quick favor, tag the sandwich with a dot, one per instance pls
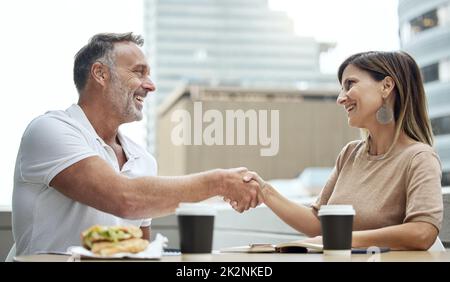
(109, 240)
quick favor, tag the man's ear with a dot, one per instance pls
(388, 86)
(100, 73)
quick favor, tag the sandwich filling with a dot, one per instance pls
(111, 234)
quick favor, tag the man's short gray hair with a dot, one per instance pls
(99, 48)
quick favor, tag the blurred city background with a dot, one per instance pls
(228, 54)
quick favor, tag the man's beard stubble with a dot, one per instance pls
(122, 101)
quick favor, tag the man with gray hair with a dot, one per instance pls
(75, 168)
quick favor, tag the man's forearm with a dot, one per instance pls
(159, 196)
(94, 183)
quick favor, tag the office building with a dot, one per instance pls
(226, 43)
(425, 34)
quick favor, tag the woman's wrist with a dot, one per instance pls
(268, 191)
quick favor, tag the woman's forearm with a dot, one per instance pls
(407, 236)
(297, 216)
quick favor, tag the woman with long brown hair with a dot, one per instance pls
(392, 175)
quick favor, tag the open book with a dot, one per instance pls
(288, 247)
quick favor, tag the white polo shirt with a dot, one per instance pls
(43, 218)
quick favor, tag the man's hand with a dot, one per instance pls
(241, 194)
(245, 177)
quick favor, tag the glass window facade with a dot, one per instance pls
(441, 125)
(430, 73)
(439, 71)
(445, 178)
(424, 22)
(437, 17)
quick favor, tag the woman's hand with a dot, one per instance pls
(248, 177)
(251, 175)
(297, 216)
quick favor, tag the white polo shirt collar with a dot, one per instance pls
(77, 113)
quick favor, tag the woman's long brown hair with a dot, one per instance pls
(410, 105)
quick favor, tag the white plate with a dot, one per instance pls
(153, 251)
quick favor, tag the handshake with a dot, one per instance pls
(242, 189)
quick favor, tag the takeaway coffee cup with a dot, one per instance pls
(196, 226)
(337, 227)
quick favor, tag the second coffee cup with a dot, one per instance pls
(337, 227)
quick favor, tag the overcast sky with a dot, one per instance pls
(355, 25)
(40, 38)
